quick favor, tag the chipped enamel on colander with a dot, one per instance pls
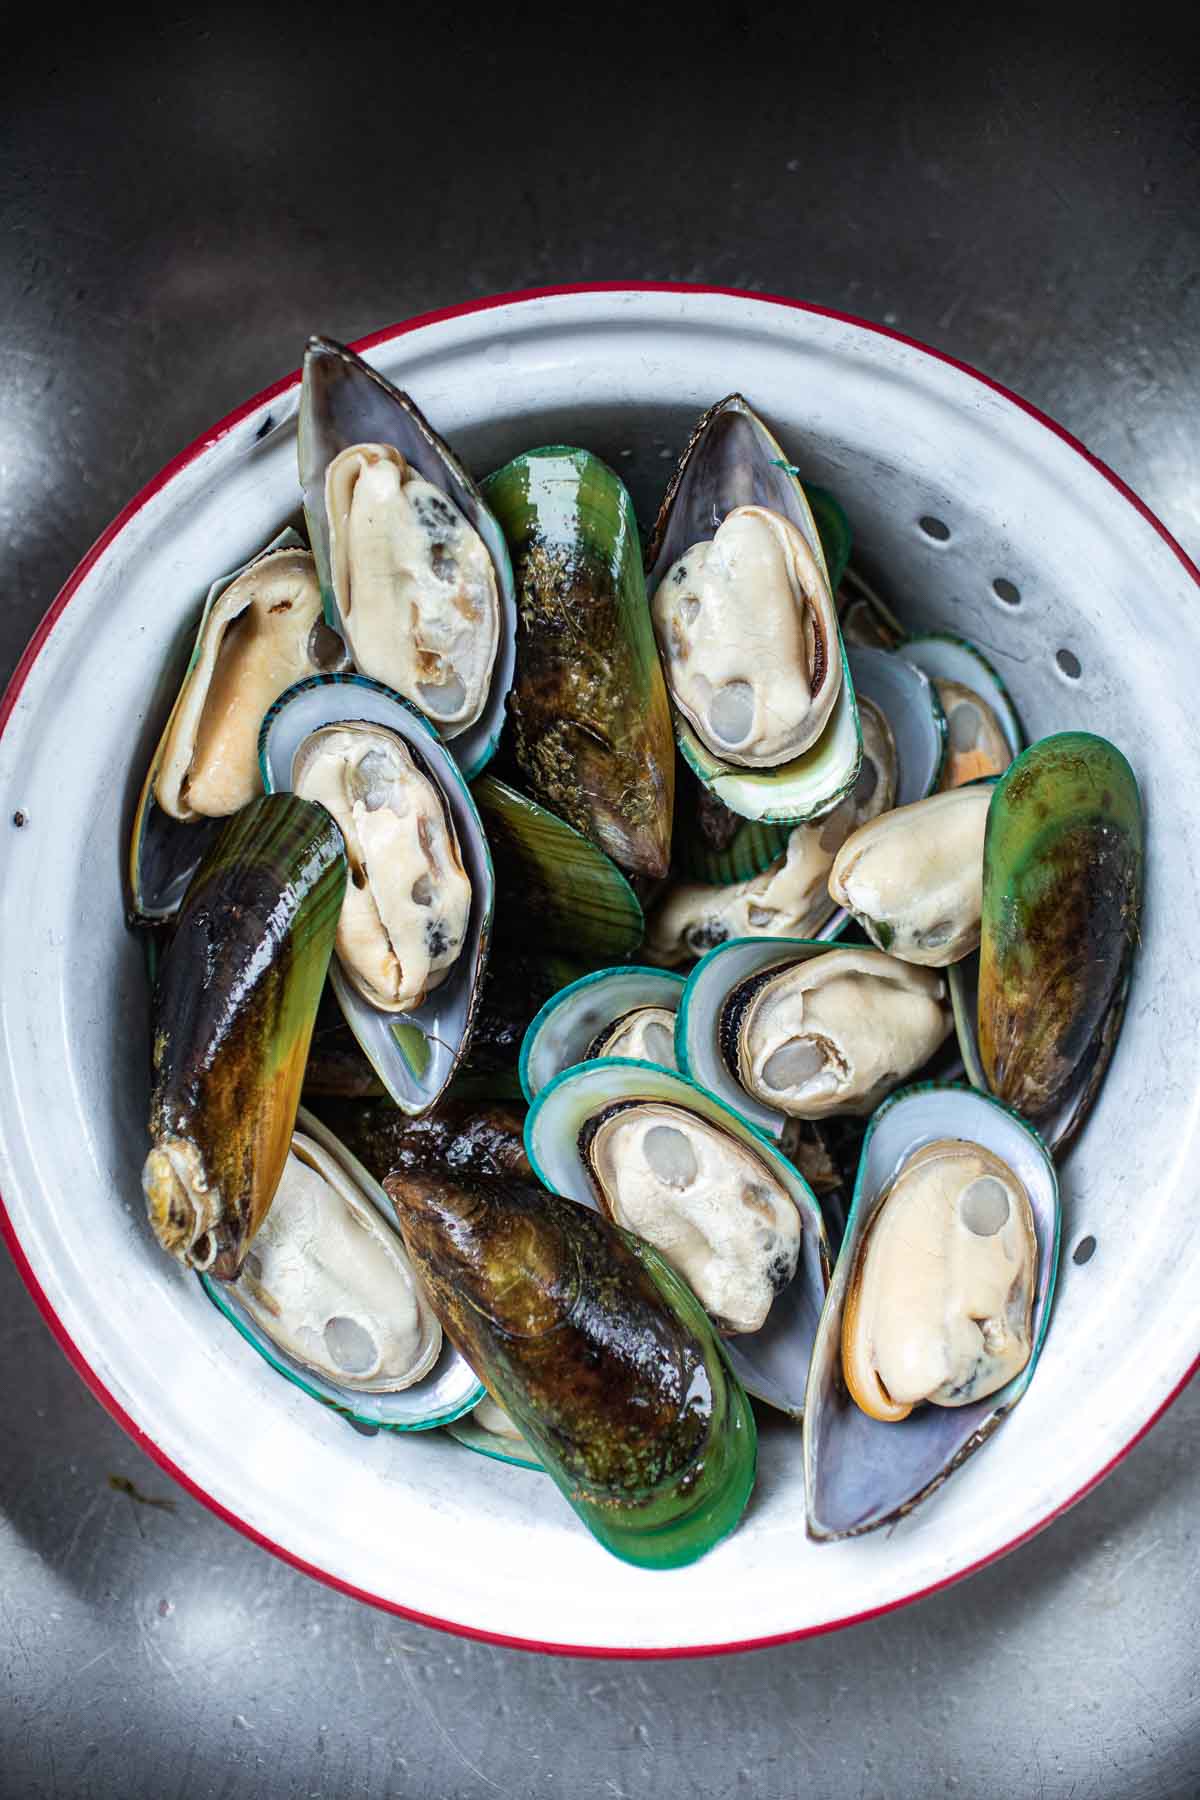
(952, 488)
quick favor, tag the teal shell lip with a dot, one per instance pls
(344, 401)
(732, 459)
(581, 1010)
(944, 657)
(771, 1363)
(415, 1054)
(861, 1473)
(451, 1388)
(697, 1022)
(473, 1436)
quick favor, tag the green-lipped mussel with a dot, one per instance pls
(261, 629)
(913, 878)
(1062, 893)
(466, 1137)
(956, 1328)
(415, 927)
(413, 567)
(628, 1012)
(735, 536)
(556, 890)
(598, 1352)
(590, 723)
(233, 1013)
(782, 1029)
(666, 1157)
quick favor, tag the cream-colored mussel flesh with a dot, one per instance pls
(836, 1033)
(414, 585)
(262, 634)
(913, 878)
(330, 1285)
(975, 742)
(790, 898)
(404, 919)
(747, 631)
(940, 1300)
(702, 1198)
(646, 1033)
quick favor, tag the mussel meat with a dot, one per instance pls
(913, 878)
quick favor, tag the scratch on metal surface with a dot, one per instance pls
(422, 1700)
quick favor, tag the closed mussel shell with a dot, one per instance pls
(1062, 895)
(597, 1352)
(229, 1050)
(590, 723)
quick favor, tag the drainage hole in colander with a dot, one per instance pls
(1070, 664)
(1006, 590)
(937, 529)
(1084, 1250)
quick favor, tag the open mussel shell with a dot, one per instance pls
(580, 1022)
(416, 1053)
(1062, 894)
(600, 1355)
(860, 1472)
(447, 1388)
(906, 698)
(554, 888)
(165, 850)
(489, 1431)
(343, 402)
(591, 728)
(771, 1362)
(732, 460)
(698, 1028)
(963, 674)
(232, 1018)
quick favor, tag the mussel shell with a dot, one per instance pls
(554, 887)
(415, 1054)
(1062, 895)
(566, 1027)
(772, 1362)
(860, 1473)
(449, 1390)
(907, 699)
(472, 1435)
(944, 657)
(602, 1357)
(344, 401)
(590, 720)
(713, 844)
(833, 529)
(703, 1027)
(233, 1013)
(468, 1137)
(164, 853)
(733, 460)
